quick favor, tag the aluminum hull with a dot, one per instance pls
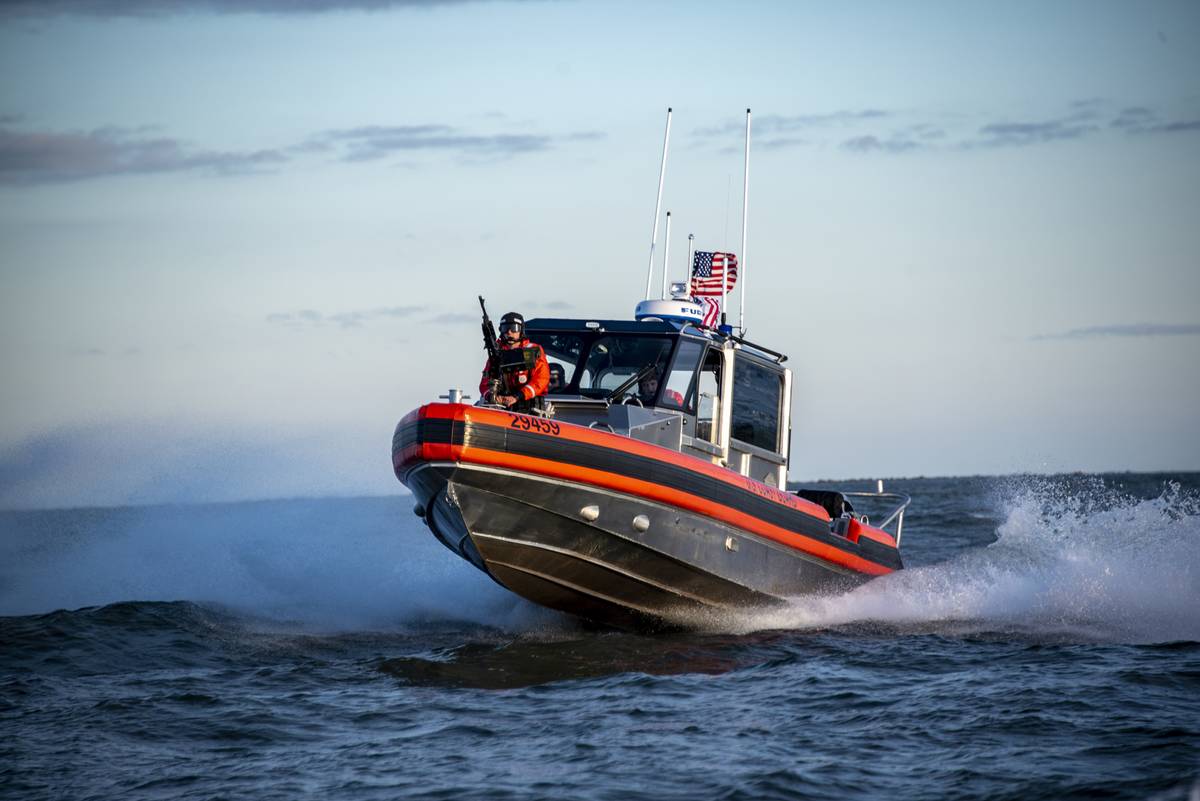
(609, 554)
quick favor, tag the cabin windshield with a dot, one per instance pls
(562, 354)
(613, 359)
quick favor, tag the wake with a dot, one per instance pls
(1086, 564)
(1082, 563)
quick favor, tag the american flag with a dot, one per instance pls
(709, 268)
(712, 311)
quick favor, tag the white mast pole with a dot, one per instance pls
(662, 174)
(666, 255)
(745, 215)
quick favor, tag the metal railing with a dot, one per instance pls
(894, 514)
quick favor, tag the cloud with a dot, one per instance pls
(872, 144)
(926, 132)
(1183, 126)
(1087, 118)
(1016, 134)
(302, 316)
(458, 318)
(1135, 330)
(38, 157)
(1133, 117)
(311, 318)
(93, 352)
(163, 8)
(373, 142)
(779, 143)
(894, 132)
(770, 124)
(1141, 120)
(528, 306)
(1089, 104)
(585, 136)
(33, 157)
(876, 130)
(454, 318)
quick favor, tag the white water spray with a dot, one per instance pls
(343, 564)
(1088, 566)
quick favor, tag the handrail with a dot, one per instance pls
(895, 515)
(779, 357)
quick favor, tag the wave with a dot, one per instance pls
(1073, 560)
(331, 564)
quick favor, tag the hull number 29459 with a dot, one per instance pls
(534, 424)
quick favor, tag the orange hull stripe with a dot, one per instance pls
(666, 495)
(563, 470)
(578, 433)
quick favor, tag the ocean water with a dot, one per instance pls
(1043, 643)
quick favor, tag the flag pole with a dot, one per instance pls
(666, 255)
(745, 215)
(691, 261)
(724, 285)
(662, 174)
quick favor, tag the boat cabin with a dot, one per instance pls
(673, 384)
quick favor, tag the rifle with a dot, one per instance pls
(495, 377)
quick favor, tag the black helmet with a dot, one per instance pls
(512, 320)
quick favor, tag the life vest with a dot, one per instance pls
(525, 383)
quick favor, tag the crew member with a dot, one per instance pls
(520, 386)
(648, 388)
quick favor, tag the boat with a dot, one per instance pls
(642, 509)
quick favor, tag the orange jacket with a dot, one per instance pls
(526, 383)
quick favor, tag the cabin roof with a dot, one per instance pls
(643, 327)
(614, 326)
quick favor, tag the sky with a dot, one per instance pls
(240, 240)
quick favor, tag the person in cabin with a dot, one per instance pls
(558, 378)
(523, 379)
(648, 389)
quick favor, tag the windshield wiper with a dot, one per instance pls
(629, 382)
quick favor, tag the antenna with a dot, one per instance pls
(666, 255)
(745, 215)
(662, 174)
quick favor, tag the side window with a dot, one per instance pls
(682, 379)
(708, 403)
(757, 392)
